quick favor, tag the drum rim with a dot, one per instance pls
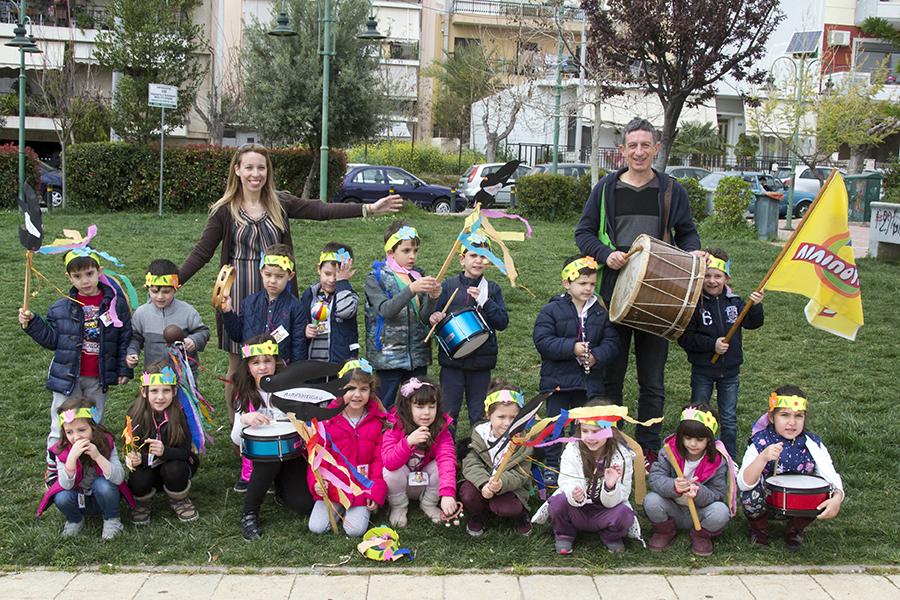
(644, 257)
(487, 335)
(451, 315)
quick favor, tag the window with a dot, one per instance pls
(400, 178)
(371, 176)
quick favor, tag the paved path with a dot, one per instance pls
(840, 583)
(859, 234)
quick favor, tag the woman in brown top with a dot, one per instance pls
(250, 217)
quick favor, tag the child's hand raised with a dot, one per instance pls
(611, 476)
(226, 303)
(25, 317)
(91, 450)
(419, 436)
(772, 452)
(474, 292)
(156, 447)
(757, 297)
(345, 270)
(424, 284)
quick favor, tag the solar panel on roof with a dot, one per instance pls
(804, 42)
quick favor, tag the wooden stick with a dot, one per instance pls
(329, 508)
(444, 268)
(634, 250)
(510, 450)
(784, 250)
(679, 472)
(28, 257)
(446, 306)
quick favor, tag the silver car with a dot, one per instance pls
(470, 182)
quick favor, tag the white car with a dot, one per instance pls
(807, 180)
(470, 182)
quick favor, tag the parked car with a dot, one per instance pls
(807, 180)
(680, 172)
(51, 186)
(470, 181)
(369, 183)
(763, 184)
(573, 170)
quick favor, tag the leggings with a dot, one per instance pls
(290, 479)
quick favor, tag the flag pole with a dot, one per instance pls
(781, 254)
(28, 258)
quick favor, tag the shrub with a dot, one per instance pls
(696, 197)
(9, 174)
(421, 158)
(548, 197)
(731, 199)
(891, 182)
(117, 176)
(714, 229)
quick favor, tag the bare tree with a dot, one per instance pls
(223, 99)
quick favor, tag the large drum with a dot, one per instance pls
(276, 442)
(658, 289)
(794, 495)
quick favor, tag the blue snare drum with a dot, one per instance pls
(463, 332)
(276, 442)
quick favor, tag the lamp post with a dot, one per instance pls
(326, 45)
(800, 66)
(24, 44)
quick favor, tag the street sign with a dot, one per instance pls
(163, 96)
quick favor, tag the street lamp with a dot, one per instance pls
(326, 51)
(800, 73)
(24, 44)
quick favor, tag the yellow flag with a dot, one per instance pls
(819, 264)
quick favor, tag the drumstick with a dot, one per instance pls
(510, 450)
(447, 262)
(680, 473)
(634, 250)
(446, 306)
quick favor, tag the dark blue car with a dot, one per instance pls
(51, 186)
(368, 183)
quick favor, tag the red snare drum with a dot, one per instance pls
(793, 495)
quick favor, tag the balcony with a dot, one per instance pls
(522, 10)
(889, 11)
(57, 13)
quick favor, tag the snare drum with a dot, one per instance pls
(463, 332)
(276, 442)
(794, 495)
(658, 289)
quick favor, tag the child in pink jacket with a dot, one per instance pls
(357, 434)
(418, 454)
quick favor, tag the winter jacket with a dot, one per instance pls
(343, 340)
(395, 452)
(63, 332)
(571, 475)
(360, 445)
(117, 475)
(220, 230)
(484, 358)
(181, 452)
(254, 320)
(395, 334)
(149, 322)
(711, 320)
(604, 194)
(712, 477)
(557, 329)
(478, 468)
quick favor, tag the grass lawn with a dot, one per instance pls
(854, 407)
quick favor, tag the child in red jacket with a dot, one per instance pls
(356, 433)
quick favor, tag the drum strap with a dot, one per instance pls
(667, 208)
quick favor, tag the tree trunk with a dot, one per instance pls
(670, 122)
(307, 186)
(857, 158)
(490, 150)
(595, 146)
(62, 167)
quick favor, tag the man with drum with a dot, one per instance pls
(633, 201)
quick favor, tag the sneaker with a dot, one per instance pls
(241, 486)
(475, 526)
(50, 476)
(250, 528)
(70, 529)
(279, 499)
(111, 528)
(615, 545)
(563, 547)
(650, 457)
(523, 525)
(272, 489)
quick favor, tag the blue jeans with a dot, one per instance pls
(391, 380)
(726, 404)
(474, 384)
(650, 355)
(104, 500)
(555, 403)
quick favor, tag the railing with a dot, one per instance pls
(514, 9)
(50, 13)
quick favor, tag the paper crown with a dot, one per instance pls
(795, 403)
(162, 280)
(165, 377)
(474, 239)
(79, 252)
(571, 271)
(406, 233)
(79, 413)
(718, 263)
(382, 544)
(279, 261)
(701, 416)
(361, 364)
(267, 348)
(505, 396)
(341, 256)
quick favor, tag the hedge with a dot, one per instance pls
(9, 174)
(119, 176)
(552, 197)
(421, 158)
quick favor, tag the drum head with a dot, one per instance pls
(797, 484)
(628, 282)
(470, 345)
(275, 429)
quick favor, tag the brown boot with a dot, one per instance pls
(759, 530)
(701, 541)
(793, 532)
(140, 512)
(663, 534)
(181, 504)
